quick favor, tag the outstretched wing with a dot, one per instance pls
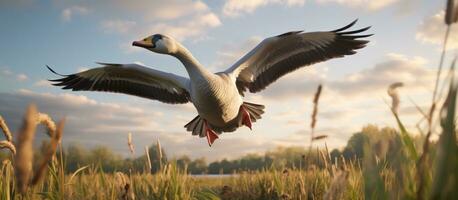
(279, 55)
(132, 79)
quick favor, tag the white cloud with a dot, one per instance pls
(169, 10)
(193, 28)
(11, 75)
(6, 72)
(365, 4)
(235, 8)
(233, 52)
(432, 30)
(42, 83)
(117, 26)
(146, 9)
(90, 122)
(412, 71)
(21, 77)
(183, 19)
(69, 12)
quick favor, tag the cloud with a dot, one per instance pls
(42, 83)
(6, 72)
(11, 75)
(146, 9)
(91, 123)
(117, 26)
(69, 12)
(183, 19)
(233, 8)
(185, 29)
(397, 68)
(232, 52)
(169, 10)
(21, 77)
(412, 71)
(365, 4)
(432, 30)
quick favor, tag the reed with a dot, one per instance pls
(159, 153)
(130, 144)
(148, 160)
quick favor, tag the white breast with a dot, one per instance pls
(216, 99)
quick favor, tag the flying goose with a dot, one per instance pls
(217, 96)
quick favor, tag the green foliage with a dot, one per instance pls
(446, 165)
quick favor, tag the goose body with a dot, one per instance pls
(217, 97)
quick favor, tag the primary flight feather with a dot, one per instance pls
(217, 97)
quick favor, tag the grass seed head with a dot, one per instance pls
(451, 12)
(24, 156)
(8, 145)
(49, 152)
(316, 98)
(130, 144)
(393, 93)
(6, 130)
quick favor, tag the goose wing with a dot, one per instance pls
(132, 79)
(282, 54)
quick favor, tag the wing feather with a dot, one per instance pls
(132, 79)
(285, 53)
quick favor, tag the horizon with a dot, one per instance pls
(70, 36)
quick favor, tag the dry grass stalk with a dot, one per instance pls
(325, 160)
(6, 130)
(148, 160)
(159, 153)
(338, 186)
(316, 98)
(130, 144)
(24, 156)
(124, 187)
(8, 143)
(48, 122)
(451, 12)
(392, 91)
(319, 137)
(49, 153)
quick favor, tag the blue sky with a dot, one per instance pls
(71, 35)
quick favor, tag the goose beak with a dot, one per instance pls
(141, 44)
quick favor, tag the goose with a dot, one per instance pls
(217, 97)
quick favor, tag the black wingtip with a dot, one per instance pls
(54, 72)
(355, 31)
(346, 27)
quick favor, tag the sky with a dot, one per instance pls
(71, 36)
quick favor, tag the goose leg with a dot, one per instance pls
(246, 119)
(211, 135)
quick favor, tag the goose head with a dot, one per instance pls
(158, 43)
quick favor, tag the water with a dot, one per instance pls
(213, 175)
